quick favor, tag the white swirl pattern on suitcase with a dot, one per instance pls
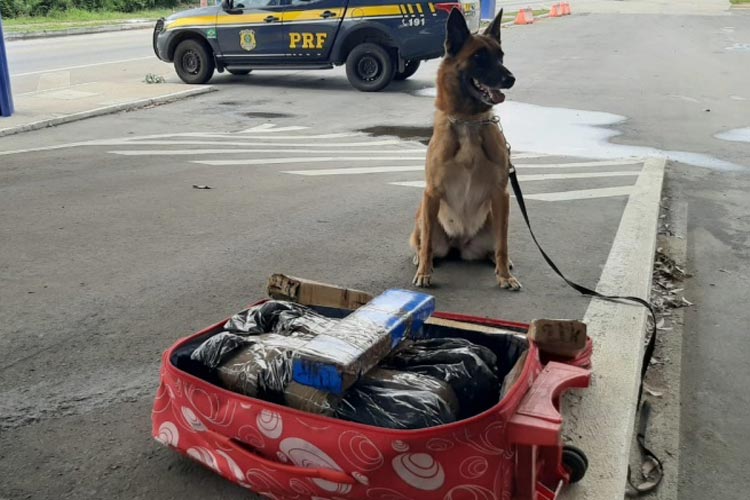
(262, 481)
(361, 478)
(439, 444)
(250, 435)
(399, 446)
(305, 454)
(419, 470)
(463, 493)
(203, 456)
(209, 406)
(301, 487)
(473, 467)
(192, 420)
(270, 424)
(168, 434)
(359, 451)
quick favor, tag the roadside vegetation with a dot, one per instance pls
(30, 16)
(79, 10)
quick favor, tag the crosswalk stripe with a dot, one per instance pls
(577, 175)
(247, 144)
(355, 170)
(267, 137)
(274, 161)
(582, 164)
(190, 152)
(581, 194)
(541, 177)
(418, 168)
(272, 128)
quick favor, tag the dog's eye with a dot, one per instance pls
(480, 57)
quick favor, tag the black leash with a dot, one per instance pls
(648, 485)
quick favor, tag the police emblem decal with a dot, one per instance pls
(247, 40)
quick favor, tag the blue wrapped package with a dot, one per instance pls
(335, 359)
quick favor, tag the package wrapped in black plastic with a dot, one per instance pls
(398, 400)
(258, 366)
(469, 369)
(278, 316)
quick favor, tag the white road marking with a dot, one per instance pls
(190, 152)
(265, 137)
(249, 144)
(418, 168)
(316, 159)
(579, 175)
(539, 177)
(618, 330)
(581, 194)
(355, 171)
(271, 128)
(583, 164)
(81, 66)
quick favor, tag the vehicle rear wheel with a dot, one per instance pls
(193, 62)
(410, 68)
(369, 67)
(239, 72)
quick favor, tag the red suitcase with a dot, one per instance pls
(512, 450)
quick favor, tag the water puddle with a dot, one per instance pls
(574, 132)
(735, 135)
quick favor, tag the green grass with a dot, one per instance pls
(78, 18)
(738, 2)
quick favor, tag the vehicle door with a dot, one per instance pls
(311, 26)
(251, 30)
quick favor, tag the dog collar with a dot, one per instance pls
(495, 120)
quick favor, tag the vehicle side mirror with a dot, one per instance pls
(227, 4)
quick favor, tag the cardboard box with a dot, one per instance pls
(336, 359)
(313, 293)
(564, 337)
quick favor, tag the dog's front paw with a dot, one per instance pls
(422, 280)
(509, 282)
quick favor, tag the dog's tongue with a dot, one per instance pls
(497, 96)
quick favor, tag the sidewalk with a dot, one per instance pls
(49, 98)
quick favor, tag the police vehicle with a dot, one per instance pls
(378, 40)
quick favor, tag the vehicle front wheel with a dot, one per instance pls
(239, 72)
(369, 67)
(410, 68)
(194, 62)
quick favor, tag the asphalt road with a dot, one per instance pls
(109, 256)
(64, 53)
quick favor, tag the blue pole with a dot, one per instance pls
(6, 98)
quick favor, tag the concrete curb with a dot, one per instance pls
(79, 31)
(600, 420)
(106, 110)
(663, 433)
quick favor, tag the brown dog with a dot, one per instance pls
(466, 202)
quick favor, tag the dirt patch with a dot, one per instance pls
(421, 134)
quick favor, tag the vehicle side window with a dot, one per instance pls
(255, 4)
(303, 3)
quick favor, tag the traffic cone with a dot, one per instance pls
(555, 10)
(565, 8)
(525, 16)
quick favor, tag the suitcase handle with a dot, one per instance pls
(537, 421)
(333, 476)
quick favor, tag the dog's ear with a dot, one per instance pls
(457, 33)
(493, 30)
